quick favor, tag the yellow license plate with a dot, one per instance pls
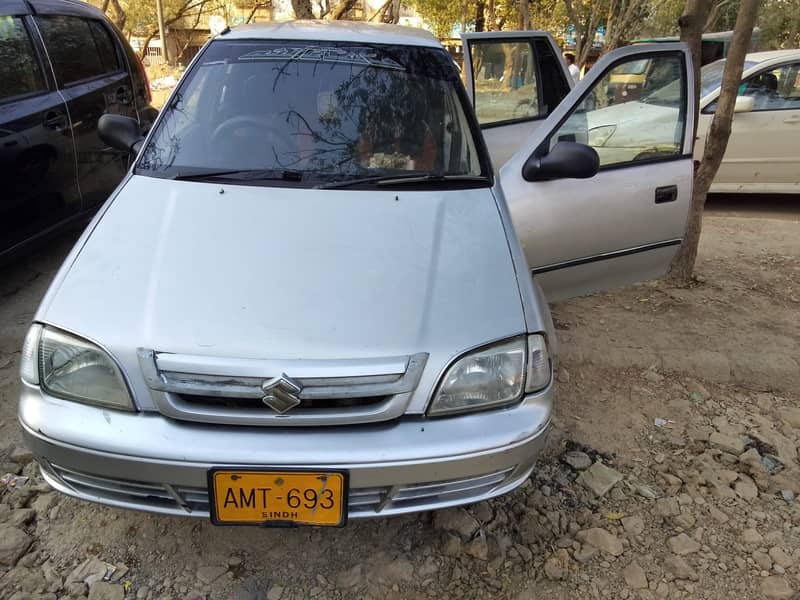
(279, 498)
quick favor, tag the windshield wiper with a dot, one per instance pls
(239, 175)
(410, 179)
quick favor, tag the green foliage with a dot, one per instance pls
(549, 15)
(779, 21)
(441, 15)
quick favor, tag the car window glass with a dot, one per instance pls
(71, 48)
(504, 77)
(328, 110)
(19, 70)
(626, 126)
(105, 47)
(776, 89)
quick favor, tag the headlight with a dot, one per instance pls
(598, 136)
(75, 369)
(493, 376)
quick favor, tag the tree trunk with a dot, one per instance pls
(480, 18)
(302, 9)
(491, 16)
(162, 32)
(683, 264)
(524, 15)
(341, 9)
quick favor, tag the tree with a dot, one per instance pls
(585, 17)
(692, 23)
(623, 17)
(440, 15)
(780, 23)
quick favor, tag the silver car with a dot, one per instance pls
(314, 298)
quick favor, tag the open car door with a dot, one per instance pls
(599, 193)
(514, 79)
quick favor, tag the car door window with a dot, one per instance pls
(105, 46)
(19, 67)
(626, 128)
(73, 49)
(776, 89)
(505, 81)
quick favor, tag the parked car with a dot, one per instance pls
(314, 298)
(62, 66)
(763, 153)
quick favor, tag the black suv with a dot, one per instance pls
(62, 66)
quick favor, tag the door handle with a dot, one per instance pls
(668, 193)
(54, 119)
(792, 120)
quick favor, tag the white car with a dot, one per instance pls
(763, 153)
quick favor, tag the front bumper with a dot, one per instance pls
(148, 462)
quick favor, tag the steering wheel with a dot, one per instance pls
(262, 127)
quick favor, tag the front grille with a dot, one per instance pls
(309, 404)
(328, 392)
(155, 495)
(362, 502)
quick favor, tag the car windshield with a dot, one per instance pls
(307, 113)
(710, 80)
(711, 75)
(634, 67)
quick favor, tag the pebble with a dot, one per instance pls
(751, 537)
(602, 540)
(101, 590)
(580, 461)
(776, 587)
(13, 544)
(763, 560)
(682, 545)
(668, 507)
(679, 568)
(599, 478)
(727, 443)
(557, 566)
(635, 576)
(780, 557)
(745, 488)
(456, 519)
(646, 492)
(633, 525)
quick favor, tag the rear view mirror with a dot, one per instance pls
(744, 104)
(120, 132)
(567, 160)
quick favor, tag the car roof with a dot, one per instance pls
(50, 7)
(334, 31)
(760, 57)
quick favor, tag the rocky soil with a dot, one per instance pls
(661, 479)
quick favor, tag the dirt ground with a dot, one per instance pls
(671, 471)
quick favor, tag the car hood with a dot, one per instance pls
(634, 121)
(255, 272)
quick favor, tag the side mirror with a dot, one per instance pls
(120, 132)
(744, 104)
(567, 160)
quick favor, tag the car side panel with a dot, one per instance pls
(37, 161)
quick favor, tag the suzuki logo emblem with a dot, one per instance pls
(281, 393)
